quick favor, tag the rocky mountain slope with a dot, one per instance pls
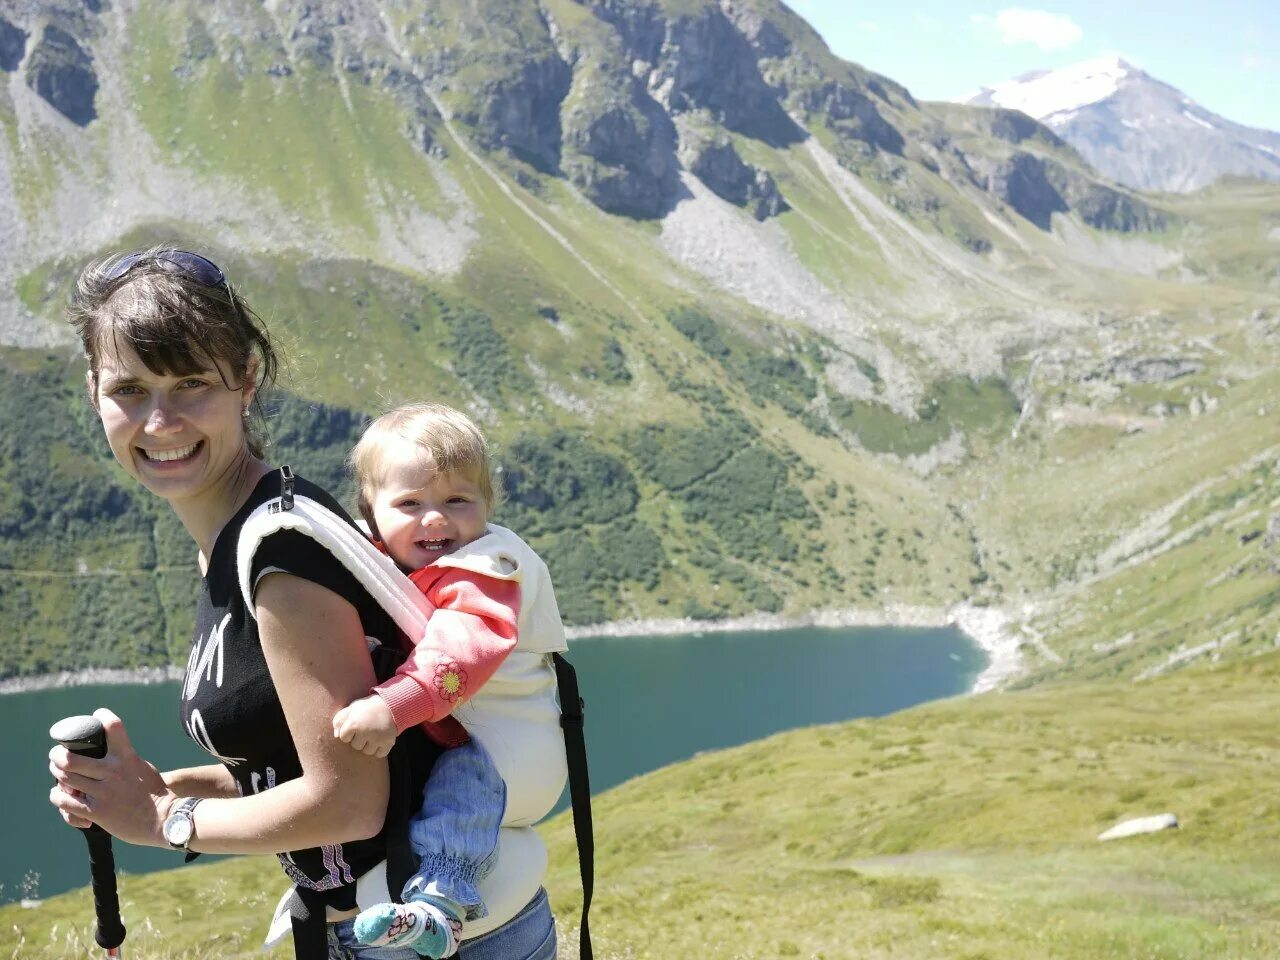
(752, 327)
(1135, 129)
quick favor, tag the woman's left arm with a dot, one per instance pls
(315, 649)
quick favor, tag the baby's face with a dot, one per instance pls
(423, 514)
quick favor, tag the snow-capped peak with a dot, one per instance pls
(1044, 93)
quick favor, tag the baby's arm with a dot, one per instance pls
(470, 633)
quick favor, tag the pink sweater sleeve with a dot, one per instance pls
(468, 636)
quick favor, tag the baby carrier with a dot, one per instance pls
(533, 740)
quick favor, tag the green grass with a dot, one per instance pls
(982, 409)
(327, 149)
(965, 828)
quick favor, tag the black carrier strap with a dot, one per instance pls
(575, 748)
(409, 764)
(310, 931)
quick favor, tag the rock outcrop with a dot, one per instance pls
(717, 164)
(61, 72)
(1038, 187)
(521, 112)
(621, 155)
(495, 68)
(1021, 181)
(13, 44)
(705, 63)
(1107, 209)
(853, 114)
(619, 144)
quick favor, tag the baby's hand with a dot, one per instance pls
(367, 725)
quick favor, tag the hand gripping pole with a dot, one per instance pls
(84, 735)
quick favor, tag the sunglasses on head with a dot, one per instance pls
(201, 269)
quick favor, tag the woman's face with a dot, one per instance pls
(179, 436)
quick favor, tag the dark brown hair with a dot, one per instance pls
(175, 323)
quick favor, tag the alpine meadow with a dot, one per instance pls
(755, 332)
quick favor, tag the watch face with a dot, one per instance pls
(177, 830)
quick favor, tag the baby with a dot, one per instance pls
(426, 492)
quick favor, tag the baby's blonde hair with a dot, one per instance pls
(451, 438)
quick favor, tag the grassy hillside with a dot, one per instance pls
(751, 327)
(965, 828)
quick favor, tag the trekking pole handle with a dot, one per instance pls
(84, 735)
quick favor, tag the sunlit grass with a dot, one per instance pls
(965, 828)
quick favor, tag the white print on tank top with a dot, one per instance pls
(203, 654)
(197, 731)
(205, 663)
(337, 870)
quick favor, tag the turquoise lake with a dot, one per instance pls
(651, 701)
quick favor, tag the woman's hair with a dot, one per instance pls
(175, 321)
(451, 438)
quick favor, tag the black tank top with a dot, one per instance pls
(229, 703)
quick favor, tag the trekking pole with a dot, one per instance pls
(84, 735)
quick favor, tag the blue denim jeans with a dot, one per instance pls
(529, 935)
(455, 834)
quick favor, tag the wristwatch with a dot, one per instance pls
(179, 827)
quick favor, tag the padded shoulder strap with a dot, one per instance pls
(377, 573)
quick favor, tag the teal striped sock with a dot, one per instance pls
(421, 926)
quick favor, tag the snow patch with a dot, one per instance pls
(1194, 119)
(1058, 91)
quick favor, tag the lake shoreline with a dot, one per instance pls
(987, 627)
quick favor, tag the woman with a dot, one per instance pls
(177, 364)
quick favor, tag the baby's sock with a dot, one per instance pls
(422, 926)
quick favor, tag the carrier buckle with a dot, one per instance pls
(286, 491)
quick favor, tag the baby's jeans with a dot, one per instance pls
(455, 834)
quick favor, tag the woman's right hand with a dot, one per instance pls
(121, 792)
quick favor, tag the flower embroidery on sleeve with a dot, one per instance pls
(450, 680)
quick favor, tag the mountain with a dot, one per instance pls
(753, 329)
(1135, 129)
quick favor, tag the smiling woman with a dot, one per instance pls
(176, 434)
(177, 364)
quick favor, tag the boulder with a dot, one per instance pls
(13, 44)
(61, 72)
(718, 165)
(1140, 825)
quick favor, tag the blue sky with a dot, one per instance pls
(1225, 55)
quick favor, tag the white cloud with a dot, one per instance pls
(1048, 31)
(867, 26)
(928, 23)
